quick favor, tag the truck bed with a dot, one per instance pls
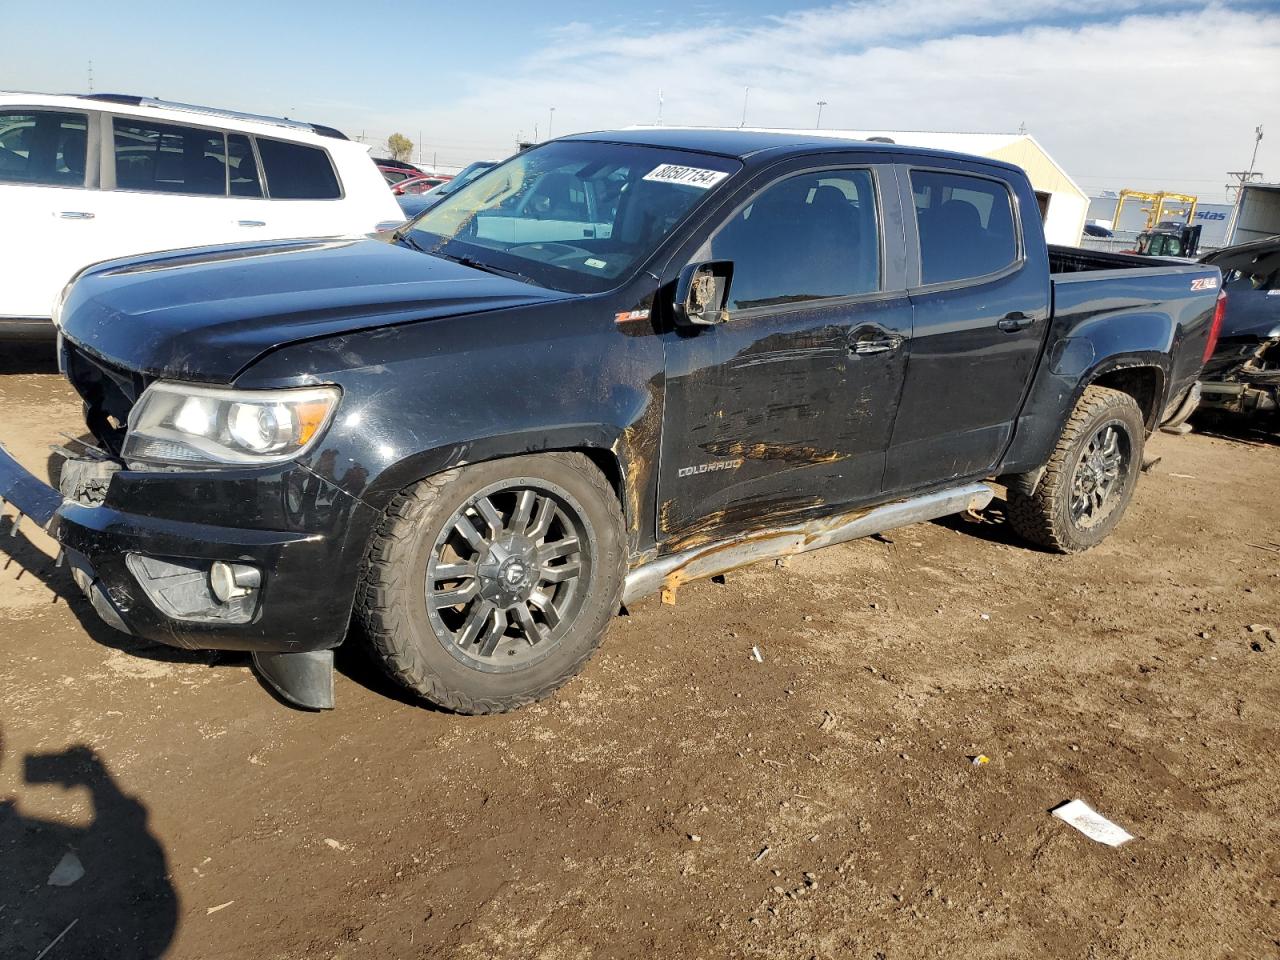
(1064, 260)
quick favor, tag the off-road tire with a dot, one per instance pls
(390, 599)
(1042, 514)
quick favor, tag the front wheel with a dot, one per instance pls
(1089, 479)
(489, 586)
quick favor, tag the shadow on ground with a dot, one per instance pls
(1255, 429)
(29, 357)
(99, 890)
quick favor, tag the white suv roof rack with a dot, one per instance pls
(135, 101)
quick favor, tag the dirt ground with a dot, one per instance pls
(681, 799)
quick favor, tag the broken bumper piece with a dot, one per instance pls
(285, 596)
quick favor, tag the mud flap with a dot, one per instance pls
(304, 679)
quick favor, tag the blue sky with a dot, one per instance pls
(466, 80)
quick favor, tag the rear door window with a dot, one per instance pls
(242, 174)
(297, 172)
(43, 146)
(167, 158)
(966, 226)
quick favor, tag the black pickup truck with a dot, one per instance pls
(610, 365)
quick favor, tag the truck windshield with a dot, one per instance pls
(573, 215)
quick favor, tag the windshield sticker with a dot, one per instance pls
(593, 262)
(686, 176)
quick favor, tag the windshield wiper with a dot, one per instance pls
(402, 236)
(475, 264)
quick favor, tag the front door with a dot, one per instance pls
(785, 410)
(981, 313)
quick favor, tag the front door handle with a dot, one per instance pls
(873, 339)
(252, 223)
(1015, 321)
(876, 345)
(76, 215)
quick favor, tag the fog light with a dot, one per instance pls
(229, 581)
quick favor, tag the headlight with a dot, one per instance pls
(178, 424)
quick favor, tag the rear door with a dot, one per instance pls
(167, 186)
(48, 204)
(785, 410)
(982, 300)
(305, 195)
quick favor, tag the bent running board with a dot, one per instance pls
(667, 573)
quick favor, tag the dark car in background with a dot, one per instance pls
(393, 171)
(1243, 375)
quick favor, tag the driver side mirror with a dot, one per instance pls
(702, 293)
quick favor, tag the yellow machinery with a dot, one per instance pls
(1160, 206)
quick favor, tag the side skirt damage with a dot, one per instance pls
(666, 574)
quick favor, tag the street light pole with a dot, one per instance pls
(821, 104)
(551, 117)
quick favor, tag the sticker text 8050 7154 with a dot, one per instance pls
(686, 176)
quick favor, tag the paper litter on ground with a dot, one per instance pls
(1091, 823)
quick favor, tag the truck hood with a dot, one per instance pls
(207, 313)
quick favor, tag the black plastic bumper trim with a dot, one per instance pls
(29, 495)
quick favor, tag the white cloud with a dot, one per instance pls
(1123, 93)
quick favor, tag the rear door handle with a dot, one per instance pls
(252, 223)
(76, 215)
(1013, 322)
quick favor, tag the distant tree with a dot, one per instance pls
(399, 146)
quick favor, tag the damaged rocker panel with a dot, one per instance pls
(667, 573)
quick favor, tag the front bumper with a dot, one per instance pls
(304, 535)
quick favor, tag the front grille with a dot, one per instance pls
(109, 393)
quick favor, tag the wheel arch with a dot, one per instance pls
(1139, 377)
(598, 444)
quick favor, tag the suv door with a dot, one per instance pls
(47, 179)
(981, 304)
(785, 410)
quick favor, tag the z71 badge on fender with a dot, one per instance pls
(1204, 283)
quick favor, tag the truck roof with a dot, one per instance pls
(743, 144)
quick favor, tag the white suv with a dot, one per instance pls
(89, 178)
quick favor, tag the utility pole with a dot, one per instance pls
(659, 108)
(821, 104)
(746, 92)
(91, 76)
(551, 118)
(1247, 176)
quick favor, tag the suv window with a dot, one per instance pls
(166, 158)
(808, 237)
(965, 223)
(43, 146)
(243, 175)
(297, 172)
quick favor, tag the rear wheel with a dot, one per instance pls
(1089, 480)
(489, 586)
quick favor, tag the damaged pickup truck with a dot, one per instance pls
(477, 437)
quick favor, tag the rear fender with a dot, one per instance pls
(1131, 352)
